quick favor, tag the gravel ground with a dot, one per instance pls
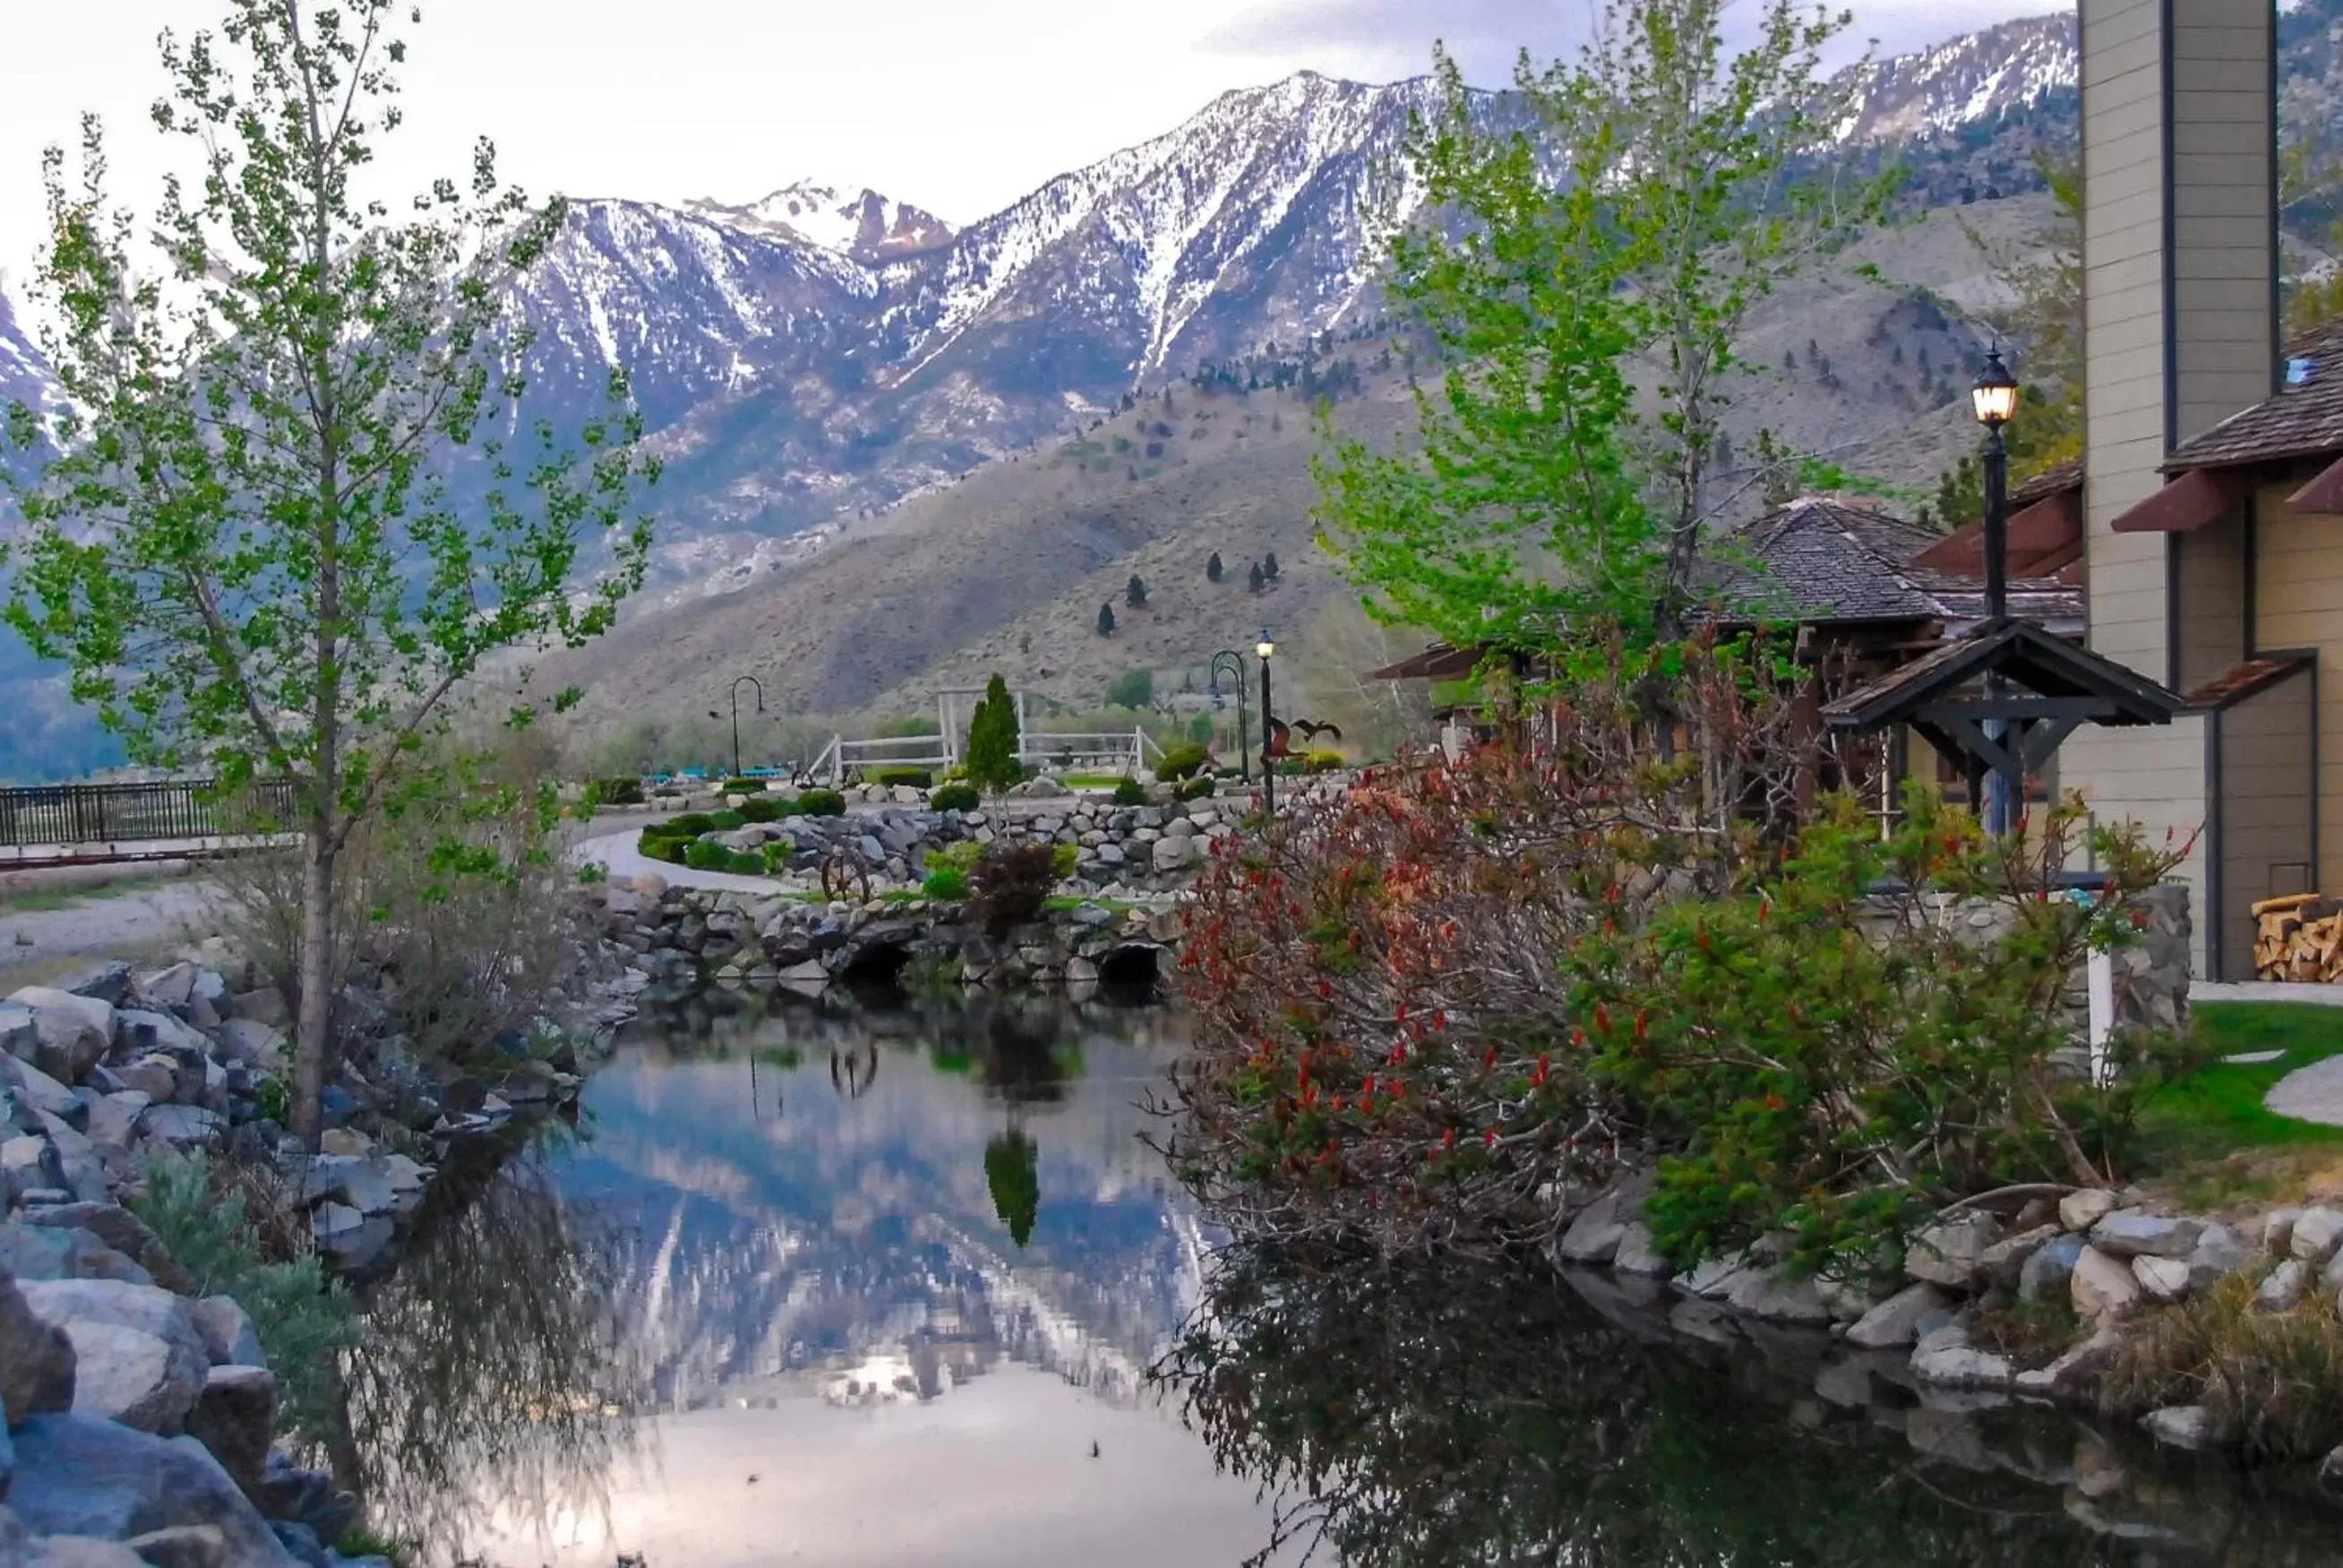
(108, 920)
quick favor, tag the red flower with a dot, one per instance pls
(1489, 1139)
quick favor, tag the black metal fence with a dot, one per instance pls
(135, 813)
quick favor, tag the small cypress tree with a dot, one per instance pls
(1134, 593)
(1269, 566)
(1106, 620)
(1213, 570)
(1253, 578)
(992, 739)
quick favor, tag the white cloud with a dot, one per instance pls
(960, 105)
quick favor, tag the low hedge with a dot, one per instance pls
(946, 885)
(955, 798)
(726, 821)
(766, 808)
(1129, 792)
(822, 803)
(904, 778)
(691, 825)
(618, 791)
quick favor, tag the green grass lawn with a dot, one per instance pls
(34, 900)
(2209, 1132)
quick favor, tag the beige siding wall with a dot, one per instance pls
(2268, 799)
(2209, 582)
(2298, 604)
(2175, 343)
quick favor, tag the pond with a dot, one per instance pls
(871, 1282)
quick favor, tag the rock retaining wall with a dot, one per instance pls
(682, 934)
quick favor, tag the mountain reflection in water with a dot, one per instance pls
(864, 1283)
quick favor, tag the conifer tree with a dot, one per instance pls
(1134, 592)
(1255, 579)
(1269, 566)
(1213, 570)
(1106, 620)
(992, 739)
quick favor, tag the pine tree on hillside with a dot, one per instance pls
(1269, 566)
(1213, 570)
(1134, 593)
(1106, 620)
(1253, 579)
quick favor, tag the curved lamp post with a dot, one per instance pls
(1265, 647)
(749, 681)
(1995, 399)
(1233, 662)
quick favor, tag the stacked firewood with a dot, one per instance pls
(2299, 938)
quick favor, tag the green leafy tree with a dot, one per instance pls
(253, 551)
(1106, 620)
(992, 739)
(1134, 592)
(1537, 491)
(1132, 689)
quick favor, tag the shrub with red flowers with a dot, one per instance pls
(1430, 1003)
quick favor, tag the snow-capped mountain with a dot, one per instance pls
(851, 220)
(1971, 81)
(24, 375)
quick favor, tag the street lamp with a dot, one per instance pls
(749, 681)
(1265, 647)
(1230, 660)
(1994, 398)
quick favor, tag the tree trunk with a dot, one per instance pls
(313, 1025)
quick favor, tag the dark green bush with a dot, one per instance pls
(706, 855)
(764, 808)
(744, 786)
(658, 843)
(1200, 787)
(619, 791)
(776, 856)
(691, 825)
(727, 820)
(1129, 792)
(822, 803)
(903, 778)
(1181, 762)
(956, 797)
(744, 863)
(946, 885)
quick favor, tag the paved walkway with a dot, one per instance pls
(616, 853)
(2266, 990)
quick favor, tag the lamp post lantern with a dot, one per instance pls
(1230, 660)
(749, 681)
(1265, 647)
(1995, 399)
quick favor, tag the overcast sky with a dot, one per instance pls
(960, 105)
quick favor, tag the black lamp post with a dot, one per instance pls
(1265, 647)
(749, 680)
(1994, 398)
(1230, 661)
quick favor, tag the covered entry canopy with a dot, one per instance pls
(2036, 688)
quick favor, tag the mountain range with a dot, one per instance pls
(811, 359)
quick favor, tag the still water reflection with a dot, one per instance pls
(861, 1284)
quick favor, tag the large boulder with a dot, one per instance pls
(77, 1475)
(74, 1032)
(37, 1359)
(127, 1235)
(1595, 1233)
(2130, 1233)
(139, 1030)
(1899, 1320)
(138, 1378)
(19, 1036)
(33, 1251)
(253, 1043)
(235, 1418)
(2046, 1272)
(229, 1338)
(2317, 1233)
(2102, 1284)
(151, 1386)
(182, 1126)
(107, 980)
(1951, 1252)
